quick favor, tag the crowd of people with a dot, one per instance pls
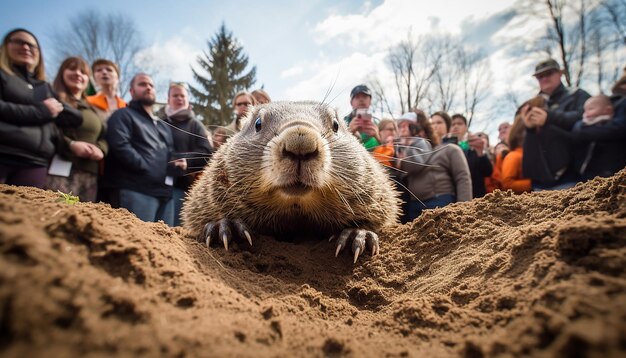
(101, 148)
(561, 137)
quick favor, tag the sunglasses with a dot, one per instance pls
(19, 42)
(243, 104)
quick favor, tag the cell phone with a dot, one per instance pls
(450, 139)
(364, 114)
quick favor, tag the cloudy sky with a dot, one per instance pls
(302, 49)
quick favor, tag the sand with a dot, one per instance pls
(539, 274)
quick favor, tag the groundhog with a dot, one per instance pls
(293, 169)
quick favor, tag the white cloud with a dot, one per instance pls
(335, 75)
(168, 61)
(389, 23)
(366, 35)
(292, 71)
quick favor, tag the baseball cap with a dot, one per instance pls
(360, 89)
(546, 65)
(408, 116)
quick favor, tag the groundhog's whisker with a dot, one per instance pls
(217, 126)
(408, 161)
(194, 172)
(201, 155)
(195, 157)
(425, 153)
(184, 131)
(357, 192)
(322, 103)
(188, 158)
(185, 153)
(344, 200)
(394, 168)
(245, 192)
(415, 137)
(408, 190)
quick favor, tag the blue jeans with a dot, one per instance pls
(438, 201)
(178, 197)
(565, 185)
(146, 207)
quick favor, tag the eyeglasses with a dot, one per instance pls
(243, 104)
(20, 43)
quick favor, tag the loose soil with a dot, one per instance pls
(534, 274)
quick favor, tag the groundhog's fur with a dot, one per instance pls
(347, 187)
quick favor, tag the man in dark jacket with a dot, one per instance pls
(548, 146)
(474, 148)
(140, 147)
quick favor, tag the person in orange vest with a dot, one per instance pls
(107, 77)
(512, 177)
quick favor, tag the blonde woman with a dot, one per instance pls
(261, 97)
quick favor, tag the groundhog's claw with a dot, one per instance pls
(361, 240)
(222, 230)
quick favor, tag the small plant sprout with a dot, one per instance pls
(68, 198)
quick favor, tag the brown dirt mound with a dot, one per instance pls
(503, 275)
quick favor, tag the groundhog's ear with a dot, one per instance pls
(332, 112)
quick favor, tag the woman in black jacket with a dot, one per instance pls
(28, 112)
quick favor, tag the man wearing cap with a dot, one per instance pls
(360, 121)
(547, 146)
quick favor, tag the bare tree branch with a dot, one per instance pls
(92, 35)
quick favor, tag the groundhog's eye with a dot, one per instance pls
(335, 125)
(257, 124)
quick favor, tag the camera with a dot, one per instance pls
(450, 139)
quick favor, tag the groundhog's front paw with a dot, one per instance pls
(222, 230)
(360, 240)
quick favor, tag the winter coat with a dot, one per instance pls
(547, 150)
(480, 168)
(28, 135)
(140, 150)
(190, 142)
(443, 171)
(601, 148)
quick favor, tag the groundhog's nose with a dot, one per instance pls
(300, 144)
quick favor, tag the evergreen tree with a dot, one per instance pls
(225, 64)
